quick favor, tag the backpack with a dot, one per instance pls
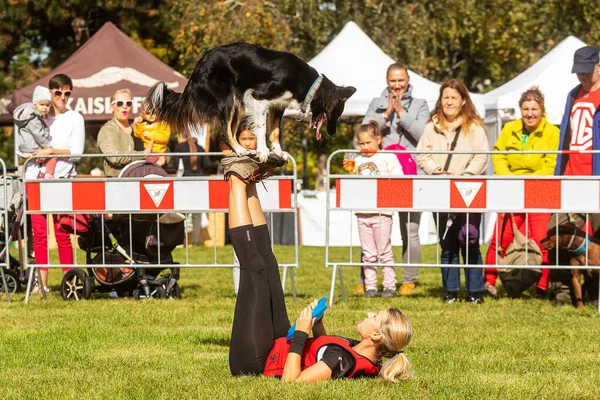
(407, 162)
(521, 251)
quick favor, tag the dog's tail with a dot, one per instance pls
(170, 107)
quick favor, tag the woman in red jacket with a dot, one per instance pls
(260, 324)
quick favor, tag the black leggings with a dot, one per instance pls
(260, 314)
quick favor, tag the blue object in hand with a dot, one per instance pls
(317, 313)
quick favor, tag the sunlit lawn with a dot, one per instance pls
(121, 348)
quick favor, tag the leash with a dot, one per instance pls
(309, 97)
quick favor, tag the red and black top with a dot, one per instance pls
(335, 351)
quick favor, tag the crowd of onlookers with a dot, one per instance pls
(398, 121)
(394, 121)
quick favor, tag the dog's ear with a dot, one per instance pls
(346, 92)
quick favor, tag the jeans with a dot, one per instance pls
(450, 253)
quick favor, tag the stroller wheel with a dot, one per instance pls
(156, 292)
(12, 281)
(175, 293)
(75, 285)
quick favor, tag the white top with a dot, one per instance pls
(67, 132)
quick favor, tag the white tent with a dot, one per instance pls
(552, 74)
(353, 59)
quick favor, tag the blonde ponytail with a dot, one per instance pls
(396, 333)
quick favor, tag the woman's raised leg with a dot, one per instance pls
(252, 333)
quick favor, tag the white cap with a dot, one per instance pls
(40, 93)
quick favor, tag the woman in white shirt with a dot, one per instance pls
(67, 137)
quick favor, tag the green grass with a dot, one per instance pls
(121, 348)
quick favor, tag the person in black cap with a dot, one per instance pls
(580, 131)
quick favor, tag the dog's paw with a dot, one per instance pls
(263, 154)
(277, 150)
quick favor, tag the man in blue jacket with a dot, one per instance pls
(579, 131)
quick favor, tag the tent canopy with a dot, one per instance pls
(552, 74)
(108, 61)
(353, 59)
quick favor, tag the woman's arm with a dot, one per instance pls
(292, 370)
(426, 161)
(549, 160)
(501, 160)
(479, 142)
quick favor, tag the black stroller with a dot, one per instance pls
(136, 242)
(15, 275)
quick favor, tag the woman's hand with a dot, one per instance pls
(148, 148)
(305, 321)
(439, 171)
(48, 151)
(162, 160)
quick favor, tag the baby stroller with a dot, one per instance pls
(135, 242)
(15, 275)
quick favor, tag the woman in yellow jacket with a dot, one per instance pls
(531, 132)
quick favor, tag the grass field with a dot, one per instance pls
(126, 349)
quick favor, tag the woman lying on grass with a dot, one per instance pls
(260, 324)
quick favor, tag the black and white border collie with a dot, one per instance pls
(243, 79)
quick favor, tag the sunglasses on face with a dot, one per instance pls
(121, 103)
(59, 93)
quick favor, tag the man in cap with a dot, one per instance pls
(579, 131)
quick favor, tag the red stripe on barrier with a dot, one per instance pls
(285, 193)
(543, 194)
(218, 195)
(33, 196)
(394, 193)
(338, 183)
(156, 195)
(88, 196)
(468, 194)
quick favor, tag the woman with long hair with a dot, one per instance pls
(260, 325)
(454, 125)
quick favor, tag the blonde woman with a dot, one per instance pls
(115, 137)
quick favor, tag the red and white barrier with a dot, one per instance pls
(502, 195)
(148, 195)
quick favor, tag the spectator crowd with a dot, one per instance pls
(393, 121)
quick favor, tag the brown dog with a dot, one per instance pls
(579, 245)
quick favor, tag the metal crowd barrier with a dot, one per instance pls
(156, 196)
(4, 223)
(454, 194)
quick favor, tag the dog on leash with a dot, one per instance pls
(583, 250)
(243, 79)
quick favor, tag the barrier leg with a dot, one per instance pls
(29, 280)
(332, 290)
(4, 285)
(283, 278)
(293, 282)
(342, 288)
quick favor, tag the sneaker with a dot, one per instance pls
(451, 297)
(407, 289)
(388, 293)
(474, 298)
(371, 293)
(360, 289)
(491, 290)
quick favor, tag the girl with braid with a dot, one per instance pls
(260, 325)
